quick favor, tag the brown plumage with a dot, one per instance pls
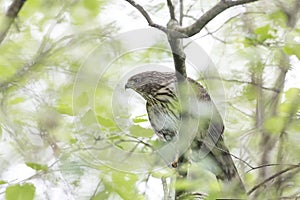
(160, 91)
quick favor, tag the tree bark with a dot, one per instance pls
(11, 14)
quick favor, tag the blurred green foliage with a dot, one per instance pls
(20, 192)
(57, 132)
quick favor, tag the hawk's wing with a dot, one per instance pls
(210, 138)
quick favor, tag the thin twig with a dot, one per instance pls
(41, 53)
(97, 188)
(209, 15)
(37, 174)
(233, 17)
(146, 16)
(272, 177)
(267, 165)
(189, 9)
(180, 12)
(221, 26)
(242, 82)
(215, 37)
(239, 110)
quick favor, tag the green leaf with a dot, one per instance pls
(250, 41)
(82, 100)
(64, 103)
(292, 94)
(295, 126)
(292, 49)
(285, 107)
(250, 92)
(105, 121)
(6, 71)
(86, 10)
(126, 184)
(20, 192)
(166, 172)
(17, 100)
(37, 166)
(139, 131)
(274, 124)
(279, 17)
(101, 195)
(140, 119)
(121, 183)
(88, 118)
(65, 109)
(292, 101)
(92, 6)
(2, 182)
(263, 33)
(71, 167)
(73, 140)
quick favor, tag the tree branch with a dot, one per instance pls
(209, 15)
(181, 12)
(177, 50)
(171, 9)
(41, 53)
(147, 16)
(11, 14)
(274, 89)
(272, 177)
(165, 188)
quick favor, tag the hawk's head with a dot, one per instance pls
(149, 83)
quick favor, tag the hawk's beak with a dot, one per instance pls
(129, 85)
(126, 86)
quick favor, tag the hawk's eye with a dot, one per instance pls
(137, 80)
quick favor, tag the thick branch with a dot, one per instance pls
(174, 37)
(146, 15)
(175, 32)
(11, 14)
(172, 32)
(177, 51)
(209, 15)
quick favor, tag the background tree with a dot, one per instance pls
(47, 146)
